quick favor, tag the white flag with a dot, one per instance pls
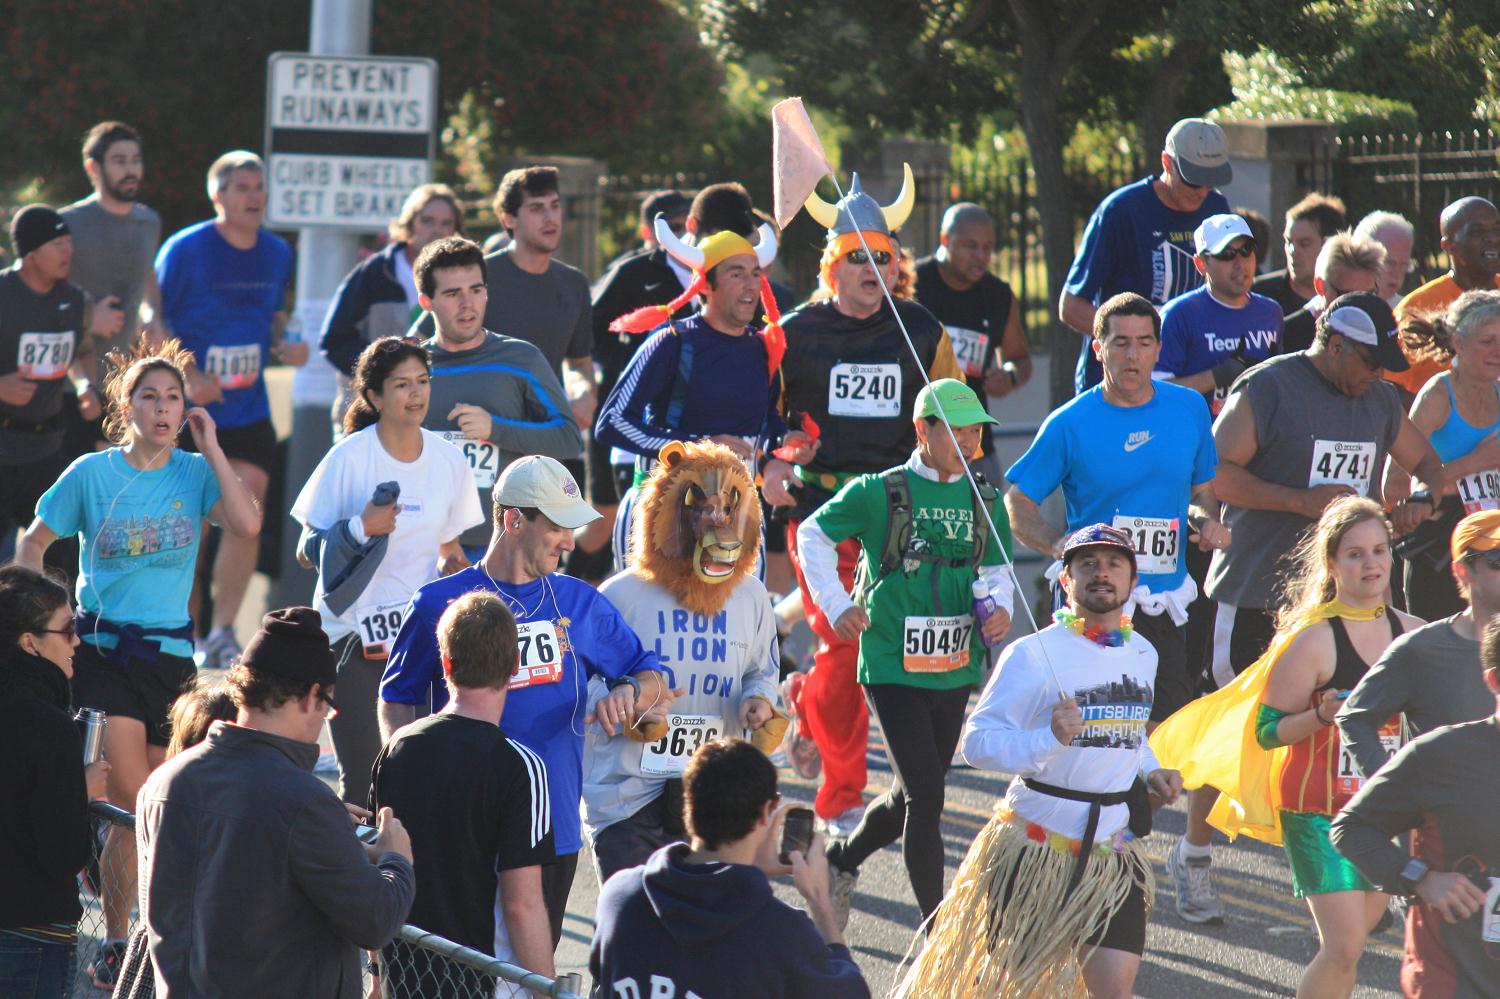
(798, 160)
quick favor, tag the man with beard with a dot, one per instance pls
(1061, 852)
(1471, 238)
(848, 367)
(379, 297)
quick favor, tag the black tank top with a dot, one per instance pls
(1348, 666)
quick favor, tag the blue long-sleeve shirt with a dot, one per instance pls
(729, 390)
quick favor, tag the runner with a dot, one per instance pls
(690, 594)
(1430, 676)
(1308, 223)
(1347, 263)
(1296, 433)
(567, 634)
(137, 509)
(1268, 742)
(1459, 411)
(1137, 453)
(494, 397)
(849, 368)
(223, 295)
(658, 399)
(400, 541)
(1059, 867)
(921, 650)
(1443, 789)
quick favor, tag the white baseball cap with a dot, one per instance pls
(1201, 152)
(1218, 231)
(542, 482)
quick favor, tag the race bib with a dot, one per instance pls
(233, 367)
(1490, 931)
(483, 457)
(668, 756)
(1479, 491)
(44, 356)
(1156, 542)
(1342, 463)
(969, 348)
(541, 654)
(936, 644)
(377, 628)
(1348, 780)
(868, 391)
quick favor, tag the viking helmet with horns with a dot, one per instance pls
(701, 258)
(858, 210)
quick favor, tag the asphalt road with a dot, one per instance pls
(1260, 950)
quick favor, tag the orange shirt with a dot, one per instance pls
(1434, 296)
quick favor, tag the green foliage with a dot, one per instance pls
(1266, 89)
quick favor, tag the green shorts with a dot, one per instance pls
(1317, 868)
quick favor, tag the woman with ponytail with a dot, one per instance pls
(409, 533)
(1459, 410)
(1267, 741)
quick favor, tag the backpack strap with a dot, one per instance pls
(898, 519)
(986, 497)
(678, 398)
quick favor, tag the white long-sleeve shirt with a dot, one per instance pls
(1011, 729)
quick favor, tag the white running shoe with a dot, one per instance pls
(1193, 887)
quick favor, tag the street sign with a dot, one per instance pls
(347, 137)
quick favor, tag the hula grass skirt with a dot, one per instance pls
(1005, 929)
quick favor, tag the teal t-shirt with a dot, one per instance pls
(140, 534)
(908, 641)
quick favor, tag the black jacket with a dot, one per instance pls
(45, 835)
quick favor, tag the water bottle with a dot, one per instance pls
(984, 608)
(93, 721)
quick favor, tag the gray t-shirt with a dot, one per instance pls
(529, 414)
(1432, 674)
(113, 255)
(551, 311)
(1310, 434)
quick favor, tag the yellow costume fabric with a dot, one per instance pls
(1212, 741)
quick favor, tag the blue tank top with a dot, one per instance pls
(1456, 438)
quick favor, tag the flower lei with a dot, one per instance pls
(1111, 639)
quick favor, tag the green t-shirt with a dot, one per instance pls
(901, 604)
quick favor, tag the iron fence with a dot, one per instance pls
(416, 965)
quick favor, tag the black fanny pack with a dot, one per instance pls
(1430, 544)
(1135, 797)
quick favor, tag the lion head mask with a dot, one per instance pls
(697, 525)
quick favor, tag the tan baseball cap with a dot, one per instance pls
(542, 482)
(1201, 152)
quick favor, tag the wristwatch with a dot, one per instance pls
(1421, 496)
(621, 681)
(1414, 871)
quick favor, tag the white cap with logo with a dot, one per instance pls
(1216, 232)
(1201, 152)
(542, 482)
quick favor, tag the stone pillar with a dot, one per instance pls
(1275, 164)
(880, 174)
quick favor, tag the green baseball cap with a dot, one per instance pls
(960, 407)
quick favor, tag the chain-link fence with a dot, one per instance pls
(416, 965)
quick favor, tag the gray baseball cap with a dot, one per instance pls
(1201, 152)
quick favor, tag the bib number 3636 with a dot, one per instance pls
(936, 644)
(864, 390)
(668, 756)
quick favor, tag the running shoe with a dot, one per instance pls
(105, 970)
(1193, 887)
(842, 825)
(841, 885)
(220, 649)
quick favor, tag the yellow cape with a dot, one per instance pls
(1212, 740)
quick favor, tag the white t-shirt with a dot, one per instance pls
(1011, 727)
(438, 503)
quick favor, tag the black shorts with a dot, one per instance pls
(142, 689)
(1240, 636)
(1174, 686)
(254, 444)
(602, 491)
(1126, 929)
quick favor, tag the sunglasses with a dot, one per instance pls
(1247, 250)
(881, 257)
(67, 631)
(1490, 558)
(327, 699)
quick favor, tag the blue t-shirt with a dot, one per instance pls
(140, 537)
(219, 301)
(1131, 466)
(1135, 243)
(1198, 331)
(562, 623)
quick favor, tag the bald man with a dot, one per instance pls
(1471, 237)
(979, 310)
